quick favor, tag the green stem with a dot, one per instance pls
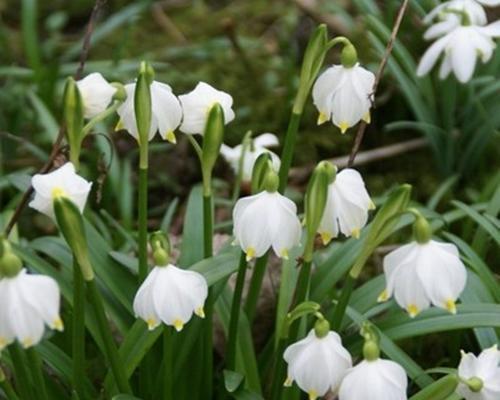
(143, 223)
(117, 366)
(208, 226)
(339, 311)
(36, 367)
(78, 333)
(100, 117)
(23, 380)
(8, 389)
(288, 149)
(168, 373)
(235, 313)
(255, 287)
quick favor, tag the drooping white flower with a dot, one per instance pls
(346, 207)
(419, 275)
(461, 47)
(343, 95)
(170, 294)
(484, 370)
(197, 104)
(264, 220)
(96, 94)
(317, 364)
(28, 303)
(63, 181)
(375, 380)
(166, 112)
(252, 152)
(447, 17)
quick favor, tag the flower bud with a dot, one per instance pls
(262, 165)
(73, 118)
(142, 103)
(349, 56)
(321, 328)
(421, 229)
(212, 141)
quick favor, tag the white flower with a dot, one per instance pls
(28, 303)
(421, 274)
(252, 152)
(461, 47)
(375, 380)
(448, 17)
(96, 94)
(197, 104)
(317, 364)
(266, 220)
(344, 95)
(346, 207)
(64, 181)
(486, 368)
(171, 295)
(166, 112)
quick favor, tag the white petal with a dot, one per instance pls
(463, 56)
(143, 301)
(96, 94)
(489, 3)
(285, 226)
(400, 257)
(166, 108)
(442, 28)
(324, 87)
(266, 140)
(431, 55)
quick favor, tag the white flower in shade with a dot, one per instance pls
(482, 373)
(28, 303)
(96, 94)
(343, 95)
(166, 112)
(460, 49)
(266, 220)
(317, 364)
(346, 207)
(252, 152)
(419, 275)
(447, 17)
(64, 181)
(171, 295)
(197, 104)
(375, 380)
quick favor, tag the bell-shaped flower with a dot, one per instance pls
(480, 376)
(419, 275)
(460, 48)
(264, 220)
(197, 104)
(28, 303)
(346, 207)
(166, 112)
(96, 94)
(170, 294)
(258, 146)
(317, 364)
(375, 380)
(344, 95)
(64, 181)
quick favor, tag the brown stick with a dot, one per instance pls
(388, 50)
(56, 147)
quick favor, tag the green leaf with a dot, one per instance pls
(192, 235)
(439, 390)
(232, 380)
(483, 222)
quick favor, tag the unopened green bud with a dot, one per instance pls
(260, 168)
(161, 248)
(73, 118)
(421, 230)
(349, 56)
(321, 328)
(212, 141)
(271, 181)
(10, 265)
(142, 107)
(121, 93)
(475, 384)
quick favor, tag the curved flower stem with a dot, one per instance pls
(117, 366)
(168, 373)
(288, 148)
(22, 374)
(255, 286)
(38, 379)
(235, 314)
(7, 387)
(143, 223)
(78, 331)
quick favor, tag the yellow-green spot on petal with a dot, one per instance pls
(313, 395)
(322, 118)
(178, 325)
(27, 342)
(284, 254)
(451, 306)
(152, 323)
(288, 382)
(119, 126)
(58, 192)
(367, 117)
(170, 136)
(200, 312)
(57, 324)
(326, 237)
(413, 310)
(384, 296)
(355, 233)
(250, 253)
(344, 126)
(3, 342)
(372, 205)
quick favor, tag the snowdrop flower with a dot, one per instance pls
(197, 103)
(343, 95)
(96, 94)
(170, 294)
(375, 380)
(252, 152)
(480, 375)
(421, 274)
(29, 302)
(267, 219)
(461, 47)
(317, 363)
(346, 207)
(166, 112)
(64, 181)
